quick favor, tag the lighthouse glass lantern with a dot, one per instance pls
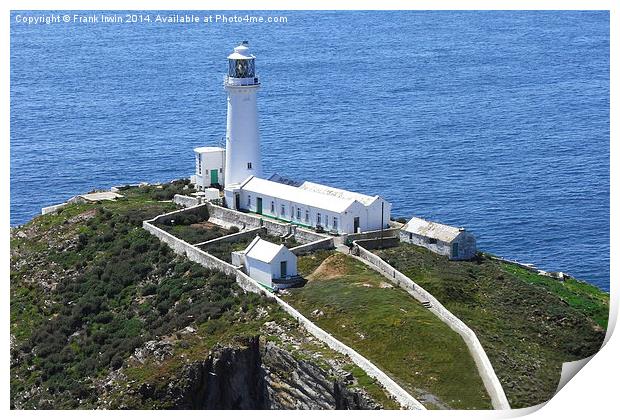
(241, 66)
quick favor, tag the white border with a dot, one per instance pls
(592, 394)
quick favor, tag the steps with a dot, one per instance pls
(427, 304)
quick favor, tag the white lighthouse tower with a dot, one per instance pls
(242, 138)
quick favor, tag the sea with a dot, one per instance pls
(497, 121)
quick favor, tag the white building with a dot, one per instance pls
(334, 210)
(455, 243)
(242, 137)
(269, 264)
(238, 168)
(209, 167)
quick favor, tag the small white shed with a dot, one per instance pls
(266, 262)
(456, 243)
(209, 167)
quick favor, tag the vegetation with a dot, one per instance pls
(165, 191)
(528, 324)
(222, 249)
(89, 287)
(117, 287)
(383, 323)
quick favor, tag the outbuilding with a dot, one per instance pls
(209, 167)
(456, 243)
(310, 205)
(269, 264)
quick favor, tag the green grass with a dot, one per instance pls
(89, 285)
(391, 329)
(196, 233)
(528, 324)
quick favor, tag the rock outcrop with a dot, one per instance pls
(254, 374)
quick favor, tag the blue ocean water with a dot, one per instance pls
(493, 120)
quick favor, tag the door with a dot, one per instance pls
(237, 201)
(259, 205)
(455, 250)
(356, 224)
(282, 269)
(214, 177)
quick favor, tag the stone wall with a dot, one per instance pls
(54, 208)
(191, 252)
(185, 201)
(485, 369)
(227, 217)
(325, 243)
(250, 233)
(248, 284)
(387, 242)
(387, 233)
(201, 210)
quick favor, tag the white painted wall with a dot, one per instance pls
(264, 272)
(466, 241)
(242, 136)
(370, 217)
(207, 161)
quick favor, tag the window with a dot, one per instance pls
(273, 207)
(282, 210)
(298, 213)
(335, 223)
(318, 219)
(249, 165)
(432, 240)
(249, 200)
(410, 236)
(220, 170)
(307, 216)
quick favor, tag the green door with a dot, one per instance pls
(214, 176)
(282, 269)
(259, 205)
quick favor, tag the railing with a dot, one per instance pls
(245, 81)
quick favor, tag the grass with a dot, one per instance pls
(528, 324)
(89, 285)
(196, 232)
(391, 329)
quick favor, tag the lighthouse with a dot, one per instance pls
(242, 138)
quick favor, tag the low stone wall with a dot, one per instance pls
(248, 284)
(306, 235)
(54, 208)
(378, 243)
(485, 369)
(325, 243)
(185, 201)
(201, 210)
(194, 254)
(234, 236)
(373, 234)
(251, 221)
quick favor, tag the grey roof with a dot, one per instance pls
(434, 230)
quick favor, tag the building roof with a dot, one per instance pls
(296, 195)
(98, 196)
(209, 149)
(435, 230)
(262, 250)
(337, 192)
